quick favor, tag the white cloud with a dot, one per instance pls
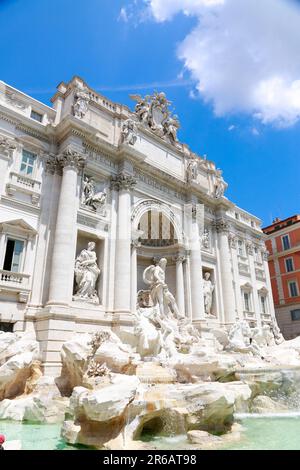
(244, 55)
(255, 131)
(231, 127)
(123, 16)
(165, 9)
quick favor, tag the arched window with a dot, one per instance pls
(157, 228)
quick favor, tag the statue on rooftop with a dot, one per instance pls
(81, 101)
(153, 111)
(129, 132)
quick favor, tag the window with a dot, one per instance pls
(252, 224)
(295, 314)
(27, 164)
(237, 216)
(6, 327)
(263, 303)
(247, 301)
(286, 242)
(36, 116)
(240, 248)
(13, 255)
(289, 265)
(293, 289)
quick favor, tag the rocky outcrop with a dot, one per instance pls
(43, 405)
(118, 357)
(18, 353)
(203, 364)
(122, 411)
(264, 404)
(98, 416)
(203, 438)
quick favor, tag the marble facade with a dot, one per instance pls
(88, 170)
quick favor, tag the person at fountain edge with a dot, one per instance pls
(2, 440)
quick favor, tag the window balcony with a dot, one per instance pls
(244, 269)
(250, 316)
(24, 184)
(18, 283)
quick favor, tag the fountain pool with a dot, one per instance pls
(35, 436)
(264, 432)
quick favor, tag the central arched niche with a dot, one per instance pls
(160, 236)
(157, 229)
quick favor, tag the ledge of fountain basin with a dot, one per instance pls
(275, 368)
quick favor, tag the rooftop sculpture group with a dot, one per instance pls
(153, 111)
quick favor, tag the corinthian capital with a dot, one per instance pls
(265, 254)
(232, 239)
(249, 247)
(6, 146)
(221, 225)
(72, 159)
(180, 258)
(52, 165)
(122, 181)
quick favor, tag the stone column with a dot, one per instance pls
(62, 269)
(232, 238)
(49, 197)
(256, 303)
(222, 228)
(123, 183)
(2, 248)
(180, 296)
(187, 278)
(134, 246)
(195, 264)
(110, 265)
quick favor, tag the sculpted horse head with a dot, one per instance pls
(240, 334)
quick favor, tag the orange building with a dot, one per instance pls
(283, 245)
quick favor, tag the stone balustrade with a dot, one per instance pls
(25, 184)
(12, 279)
(18, 283)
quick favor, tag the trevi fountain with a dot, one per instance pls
(164, 388)
(135, 297)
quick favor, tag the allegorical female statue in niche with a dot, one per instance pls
(208, 289)
(86, 275)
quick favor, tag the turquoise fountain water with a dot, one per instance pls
(271, 432)
(34, 436)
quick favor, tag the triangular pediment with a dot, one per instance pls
(18, 224)
(246, 286)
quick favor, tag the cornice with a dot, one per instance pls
(282, 231)
(20, 205)
(16, 120)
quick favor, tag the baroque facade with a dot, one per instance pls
(93, 193)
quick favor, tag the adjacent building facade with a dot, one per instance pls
(283, 245)
(91, 194)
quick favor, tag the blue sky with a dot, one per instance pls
(256, 144)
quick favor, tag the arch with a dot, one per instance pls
(146, 205)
